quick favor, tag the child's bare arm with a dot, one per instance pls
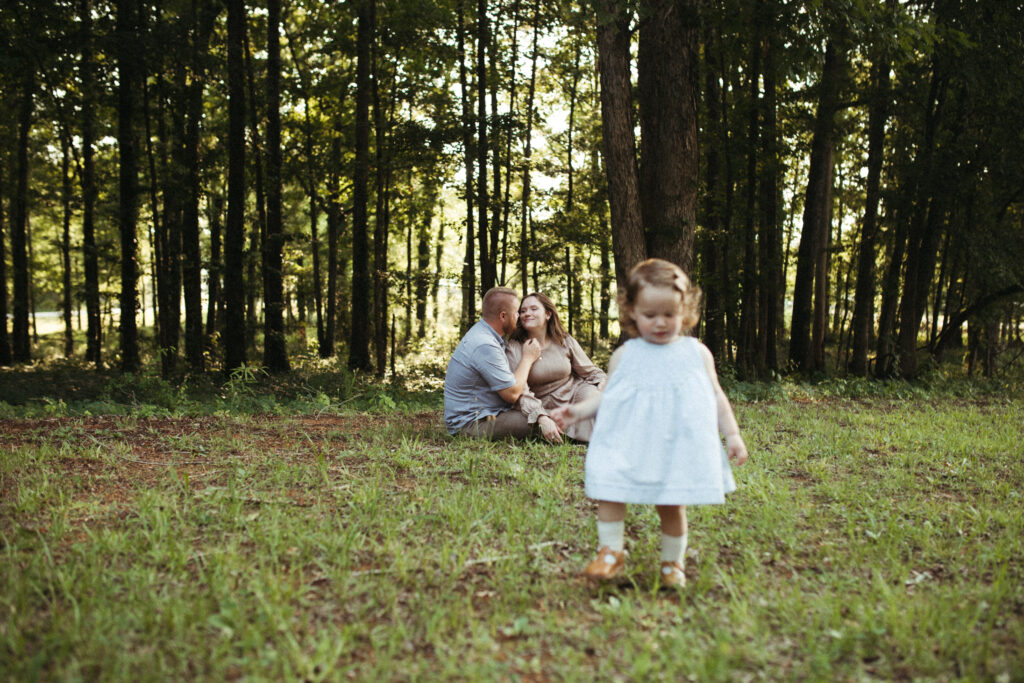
(573, 413)
(735, 447)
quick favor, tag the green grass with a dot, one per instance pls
(870, 538)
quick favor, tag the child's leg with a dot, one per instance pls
(611, 557)
(673, 543)
(611, 525)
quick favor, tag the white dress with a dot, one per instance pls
(656, 435)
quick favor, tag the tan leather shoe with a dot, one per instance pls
(672, 575)
(607, 565)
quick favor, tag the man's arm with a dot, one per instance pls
(531, 352)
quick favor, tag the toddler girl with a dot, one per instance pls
(656, 437)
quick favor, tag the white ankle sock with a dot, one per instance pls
(611, 534)
(673, 548)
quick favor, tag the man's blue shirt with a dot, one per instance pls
(476, 373)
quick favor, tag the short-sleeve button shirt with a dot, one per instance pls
(477, 371)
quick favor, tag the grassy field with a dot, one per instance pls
(871, 538)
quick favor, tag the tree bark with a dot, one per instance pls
(128, 62)
(214, 269)
(5, 339)
(487, 251)
(234, 236)
(359, 345)
(806, 350)
(275, 354)
(90, 261)
(20, 343)
(864, 294)
(771, 284)
(613, 42)
(469, 258)
(65, 241)
(746, 346)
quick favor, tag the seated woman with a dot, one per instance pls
(562, 375)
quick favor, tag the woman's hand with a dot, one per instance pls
(549, 429)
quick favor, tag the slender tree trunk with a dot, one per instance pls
(613, 42)
(127, 106)
(20, 343)
(487, 251)
(359, 345)
(314, 230)
(333, 240)
(525, 216)
(191, 264)
(746, 347)
(5, 339)
(258, 232)
(806, 348)
(469, 259)
(275, 354)
(423, 271)
(770, 286)
(65, 241)
(234, 236)
(506, 203)
(214, 304)
(381, 227)
(711, 237)
(90, 261)
(864, 294)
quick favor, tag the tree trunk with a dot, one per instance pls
(746, 347)
(258, 232)
(128, 62)
(275, 354)
(65, 241)
(806, 350)
(506, 203)
(668, 118)
(770, 286)
(613, 43)
(20, 343)
(333, 242)
(712, 236)
(90, 261)
(487, 251)
(469, 258)
(5, 339)
(864, 294)
(214, 304)
(359, 345)
(234, 237)
(524, 218)
(191, 265)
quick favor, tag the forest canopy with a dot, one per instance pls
(844, 180)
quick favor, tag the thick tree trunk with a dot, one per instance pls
(668, 95)
(359, 345)
(275, 354)
(20, 343)
(90, 261)
(864, 294)
(128, 62)
(628, 243)
(234, 237)
(806, 350)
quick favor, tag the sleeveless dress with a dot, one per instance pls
(656, 436)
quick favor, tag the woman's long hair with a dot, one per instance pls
(555, 329)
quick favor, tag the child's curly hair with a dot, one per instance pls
(656, 272)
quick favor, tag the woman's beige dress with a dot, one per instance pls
(563, 375)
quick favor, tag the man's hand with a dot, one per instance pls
(549, 429)
(531, 350)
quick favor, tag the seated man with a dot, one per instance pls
(479, 387)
